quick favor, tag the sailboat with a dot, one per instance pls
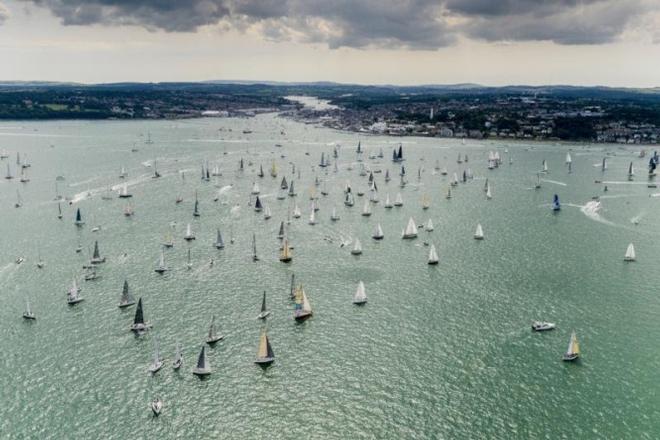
(544, 167)
(285, 254)
(429, 226)
(630, 253)
(169, 240)
(556, 206)
(387, 176)
(261, 171)
(296, 212)
(122, 173)
(128, 210)
(59, 211)
(631, 171)
(303, 308)
(40, 262)
(378, 233)
(273, 170)
(312, 216)
(398, 201)
(357, 248)
(139, 324)
(568, 158)
(156, 173)
(257, 205)
(349, 200)
(265, 355)
(264, 312)
(123, 192)
(8, 176)
(212, 337)
(292, 191)
(388, 203)
(489, 194)
(161, 267)
(189, 233)
(28, 313)
(426, 202)
(334, 216)
(157, 362)
(19, 200)
(433, 256)
(196, 206)
(96, 257)
(178, 358)
(448, 196)
(157, 406)
(411, 229)
(573, 350)
(73, 295)
(24, 177)
(203, 366)
(254, 248)
(189, 264)
(603, 166)
(538, 181)
(126, 299)
(360, 296)
(283, 184)
(479, 232)
(255, 188)
(366, 210)
(219, 243)
(78, 222)
(267, 213)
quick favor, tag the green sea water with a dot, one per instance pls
(440, 351)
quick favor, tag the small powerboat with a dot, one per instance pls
(157, 406)
(540, 326)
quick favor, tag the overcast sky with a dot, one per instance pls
(492, 42)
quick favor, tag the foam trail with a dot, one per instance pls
(636, 219)
(84, 182)
(224, 189)
(623, 182)
(591, 210)
(555, 182)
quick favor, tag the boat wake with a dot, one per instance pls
(636, 219)
(591, 210)
(554, 182)
(224, 189)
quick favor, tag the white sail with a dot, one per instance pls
(388, 203)
(334, 216)
(296, 212)
(378, 233)
(366, 210)
(429, 225)
(360, 296)
(630, 253)
(267, 213)
(433, 255)
(312, 216)
(357, 248)
(479, 232)
(399, 200)
(411, 229)
(489, 194)
(568, 158)
(255, 188)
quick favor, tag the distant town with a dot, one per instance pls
(559, 113)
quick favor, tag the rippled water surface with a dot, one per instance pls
(440, 351)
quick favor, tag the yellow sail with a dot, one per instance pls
(273, 170)
(299, 294)
(286, 252)
(576, 345)
(262, 352)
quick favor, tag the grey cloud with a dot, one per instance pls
(415, 24)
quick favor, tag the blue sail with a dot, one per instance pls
(555, 203)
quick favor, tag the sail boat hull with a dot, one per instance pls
(126, 304)
(263, 315)
(214, 339)
(302, 316)
(264, 362)
(568, 357)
